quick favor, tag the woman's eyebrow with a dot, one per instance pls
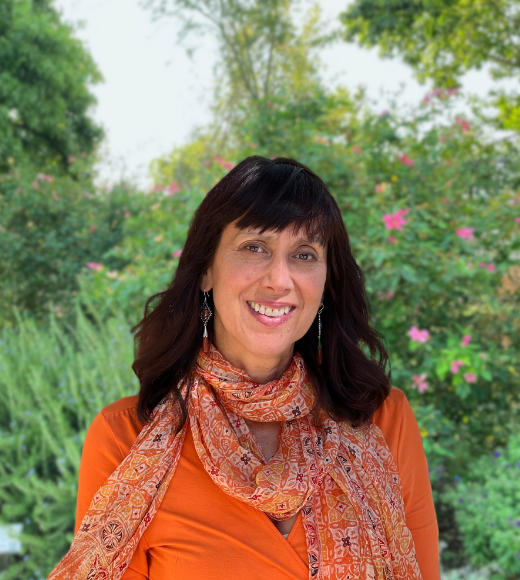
(302, 240)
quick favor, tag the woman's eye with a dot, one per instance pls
(307, 257)
(255, 251)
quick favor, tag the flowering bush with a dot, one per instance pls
(50, 226)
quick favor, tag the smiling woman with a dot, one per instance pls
(320, 459)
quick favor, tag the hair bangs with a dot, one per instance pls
(285, 196)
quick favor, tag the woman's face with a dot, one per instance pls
(267, 289)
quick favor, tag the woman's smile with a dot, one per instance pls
(272, 314)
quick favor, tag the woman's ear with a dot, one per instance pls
(206, 282)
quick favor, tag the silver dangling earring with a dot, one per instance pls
(319, 357)
(205, 315)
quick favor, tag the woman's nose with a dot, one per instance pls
(278, 275)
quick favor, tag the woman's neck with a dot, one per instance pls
(262, 369)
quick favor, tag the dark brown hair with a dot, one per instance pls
(270, 195)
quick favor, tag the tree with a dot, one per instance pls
(45, 75)
(443, 39)
(263, 55)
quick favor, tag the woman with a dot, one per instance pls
(266, 441)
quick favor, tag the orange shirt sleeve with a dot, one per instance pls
(397, 421)
(100, 457)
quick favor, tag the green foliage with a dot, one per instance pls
(442, 40)
(486, 504)
(194, 165)
(149, 251)
(44, 96)
(54, 378)
(50, 227)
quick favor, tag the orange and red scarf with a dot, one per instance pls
(343, 479)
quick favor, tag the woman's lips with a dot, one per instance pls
(270, 321)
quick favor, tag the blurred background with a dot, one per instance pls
(117, 117)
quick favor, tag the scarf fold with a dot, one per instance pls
(343, 479)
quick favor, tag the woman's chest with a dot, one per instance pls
(202, 532)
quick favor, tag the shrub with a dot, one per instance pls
(486, 502)
(54, 379)
(50, 227)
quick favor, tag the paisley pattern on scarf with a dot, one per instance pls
(343, 479)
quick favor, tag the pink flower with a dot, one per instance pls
(380, 187)
(157, 188)
(395, 221)
(392, 239)
(455, 366)
(491, 267)
(176, 254)
(419, 382)
(383, 113)
(390, 294)
(443, 139)
(94, 266)
(470, 377)
(418, 335)
(482, 264)
(453, 91)
(44, 177)
(517, 220)
(465, 340)
(465, 233)
(446, 200)
(228, 165)
(127, 214)
(173, 188)
(405, 160)
(206, 163)
(463, 124)
(35, 184)
(356, 149)
(72, 159)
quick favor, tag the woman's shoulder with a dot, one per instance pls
(125, 404)
(117, 421)
(391, 406)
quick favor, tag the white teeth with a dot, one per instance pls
(272, 312)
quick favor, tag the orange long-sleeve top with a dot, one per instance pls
(201, 533)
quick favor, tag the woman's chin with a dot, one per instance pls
(269, 348)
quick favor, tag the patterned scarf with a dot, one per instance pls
(343, 479)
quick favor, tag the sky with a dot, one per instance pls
(154, 94)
